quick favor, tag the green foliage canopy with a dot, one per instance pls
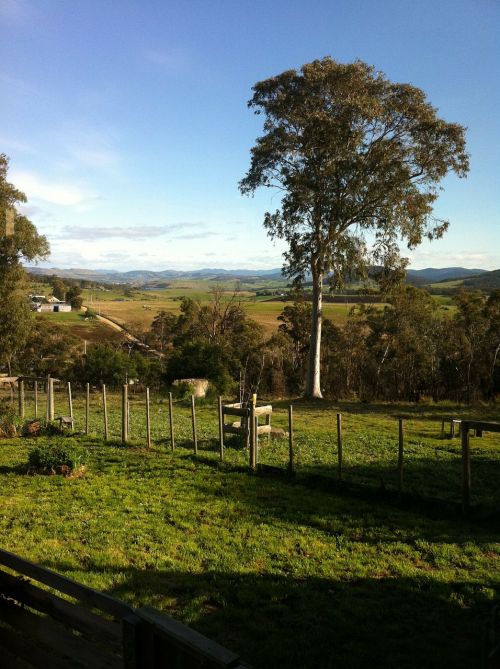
(358, 160)
(21, 243)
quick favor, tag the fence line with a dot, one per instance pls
(250, 432)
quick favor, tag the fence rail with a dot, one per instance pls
(46, 630)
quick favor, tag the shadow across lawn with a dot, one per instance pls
(276, 620)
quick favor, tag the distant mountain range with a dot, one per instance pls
(434, 275)
(142, 277)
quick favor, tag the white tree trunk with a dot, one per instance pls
(313, 388)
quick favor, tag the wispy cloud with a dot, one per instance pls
(19, 86)
(16, 11)
(170, 60)
(8, 144)
(37, 213)
(136, 232)
(56, 192)
(94, 157)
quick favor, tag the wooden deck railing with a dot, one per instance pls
(39, 628)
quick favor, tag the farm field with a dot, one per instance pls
(138, 309)
(285, 572)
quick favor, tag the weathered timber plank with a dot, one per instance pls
(71, 615)
(230, 411)
(264, 410)
(11, 661)
(189, 640)
(57, 637)
(83, 593)
(481, 425)
(34, 655)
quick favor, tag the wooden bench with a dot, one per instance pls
(65, 422)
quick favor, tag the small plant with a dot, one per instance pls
(9, 420)
(56, 458)
(182, 390)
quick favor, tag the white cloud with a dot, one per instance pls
(471, 259)
(56, 192)
(95, 158)
(175, 231)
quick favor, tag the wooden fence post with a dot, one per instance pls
(171, 417)
(193, 419)
(105, 411)
(20, 397)
(124, 413)
(87, 407)
(47, 406)
(128, 416)
(148, 420)
(36, 398)
(339, 446)
(251, 418)
(52, 403)
(290, 439)
(466, 479)
(70, 403)
(400, 456)
(221, 429)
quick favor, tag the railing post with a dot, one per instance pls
(131, 642)
(290, 439)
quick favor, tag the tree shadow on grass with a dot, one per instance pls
(426, 412)
(301, 499)
(277, 620)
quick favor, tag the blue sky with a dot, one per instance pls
(127, 127)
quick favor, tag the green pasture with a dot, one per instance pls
(432, 463)
(285, 572)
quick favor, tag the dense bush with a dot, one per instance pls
(58, 457)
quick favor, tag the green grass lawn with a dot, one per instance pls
(285, 572)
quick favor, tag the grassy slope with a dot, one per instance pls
(285, 573)
(89, 330)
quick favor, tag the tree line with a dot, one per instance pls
(411, 349)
